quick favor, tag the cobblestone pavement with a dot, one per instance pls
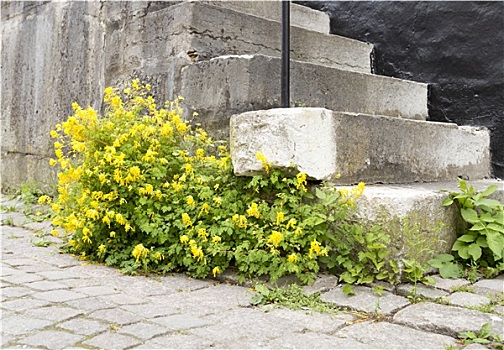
(54, 301)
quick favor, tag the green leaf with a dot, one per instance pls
(348, 290)
(490, 203)
(462, 184)
(496, 227)
(482, 242)
(444, 257)
(430, 280)
(475, 251)
(469, 215)
(491, 189)
(495, 242)
(468, 238)
(450, 270)
(261, 288)
(447, 202)
(256, 299)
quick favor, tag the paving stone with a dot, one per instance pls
(313, 341)
(78, 282)
(178, 322)
(90, 304)
(16, 262)
(110, 340)
(15, 292)
(46, 285)
(366, 300)
(322, 284)
(245, 323)
(123, 299)
(490, 286)
(7, 271)
(205, 299)
(55, 275)
(84, 326)
(313, 321)
(420, 290)
(59, 296)
(384, 335)
(35, 268)
(177, 341)
(18, 325)
(55, 313)
(447, 320)
(5, 339)
(468, 299)
(52, 339)
(448, 284)
(24, 303)
(151, 310)
(144, 330)
(499, 309)
(96, 290)
(21, 278)
(117, 316)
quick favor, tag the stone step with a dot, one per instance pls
(198, 31)
(412, 215)
(229, 85)
(347, 148)
(300, 16)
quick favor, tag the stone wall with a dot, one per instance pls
(457, 47)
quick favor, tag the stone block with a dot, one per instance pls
(228, 85)
(300, 16)
(323, 144)
(413, 216)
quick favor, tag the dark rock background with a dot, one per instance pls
(457, 47)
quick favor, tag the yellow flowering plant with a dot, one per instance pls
(142, 189)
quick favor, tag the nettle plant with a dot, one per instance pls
(480, 241)
(142, 189)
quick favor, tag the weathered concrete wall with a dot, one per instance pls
(456, 46)
(49, 59)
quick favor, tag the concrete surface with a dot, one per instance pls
(54, 301)
(228, 85)
(358, 147)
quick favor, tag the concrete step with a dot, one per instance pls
(228, 85)
(412, 215)
(197, 31)
(300, 16)
(358, 147)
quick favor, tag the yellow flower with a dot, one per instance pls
(314, 248)
(102, 249)
(240, 220)
(275, 238)
(253, 210)
(279, 218)
(204, 209)
(140, 252)
(112, 234)
(184, 239)
(186, 220)
(44, 199)
(292, 223)
(202, 232)
(292, 258)
(54, 134)
(200, 153)
(52, 162)
(264, 162)
(55, 233)
(301, 181)
(197, 252)
(190, 201)
(216, 270)
(216, 240)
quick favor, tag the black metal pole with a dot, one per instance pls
(285, 74)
